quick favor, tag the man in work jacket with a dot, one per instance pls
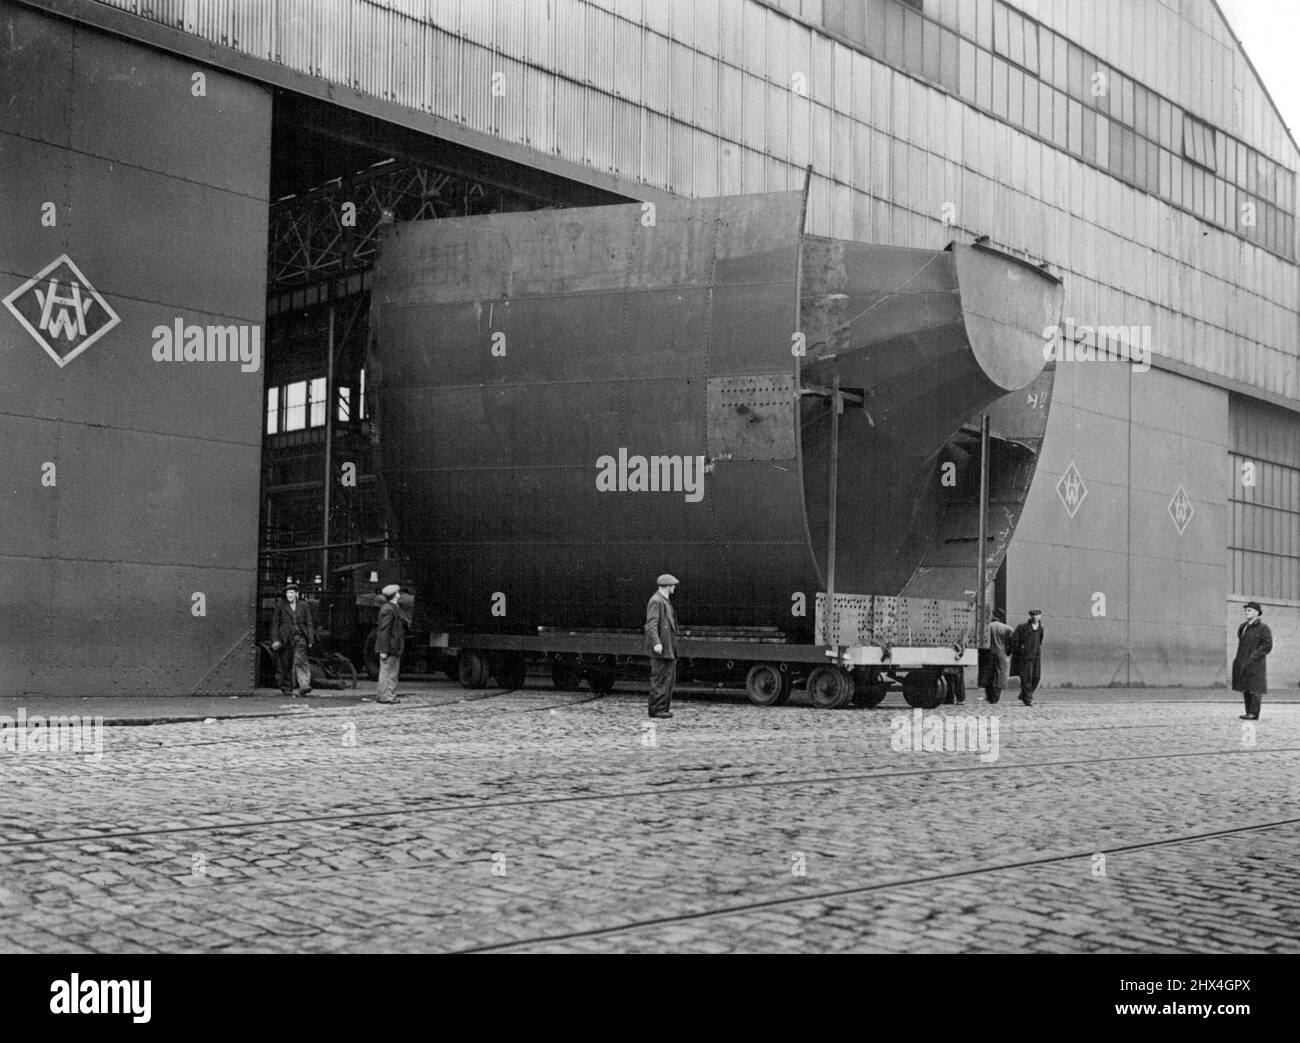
(390, 642)
(661, 644)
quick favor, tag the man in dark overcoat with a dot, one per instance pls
(661, 645)
(1027, 655)
(995, 660)
(293, 632)
(1249, 671)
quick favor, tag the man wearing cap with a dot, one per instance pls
(390, 643)
(293, 632)
(1249, 673)
(661, 644)
(995, 660)
(1027, 655)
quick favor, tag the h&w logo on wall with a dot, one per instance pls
(62, 310)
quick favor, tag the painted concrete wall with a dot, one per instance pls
(160, 202)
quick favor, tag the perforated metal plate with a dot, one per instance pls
(752, 418)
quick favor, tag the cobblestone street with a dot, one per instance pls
(542, 821)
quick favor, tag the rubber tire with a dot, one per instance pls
(339, 667)
(868, 690)
(829, 687)
(602, 679)
(472, 670)
(767, 684)
(512, 670)
(565, 676)
(924, 689)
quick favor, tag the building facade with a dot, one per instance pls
(1128, 144)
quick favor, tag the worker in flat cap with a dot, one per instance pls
(293, 632)
(1027, 655)
(661, 644)
(390, 643)
(1249, 671)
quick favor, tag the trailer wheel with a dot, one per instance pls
(924, 689)
(602, 679)
(472, 669)
(565, 676)
(829, 687)
(512, 670)
(767, 684)
(868, 689)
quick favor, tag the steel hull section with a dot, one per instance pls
(516, 353)
(615, 340)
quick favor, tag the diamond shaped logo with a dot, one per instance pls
(61, 310)
(1071, 489)
(1180, 509)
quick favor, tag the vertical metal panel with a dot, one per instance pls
(731, 31)
(602, 71)
(778, 123)
(799, 58)
(681, 159)
(841, 137)
(754, 113)
(539, 115)
(253, 28)
(731, 169)
(705, 107)
(658, 16)
(842, 93)
(511, 26)
(570, 119)
(755, 170)
(445, 58)
(508, 110)
(755, 40)
(475, 21)
(570, 36)
(296, 36)
(598, 130)
(730, 108)
(681, 76)
(407, 84)
(539, 34)
(655, 71)
(627, 140)
(778, 33)
(822, 70)
(681, 20)
(705, 36)
(654, 149)
(819, 147)
(335, 55)
(704, 165)
(627, 59)
(445, 14)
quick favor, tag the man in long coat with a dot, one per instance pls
(293, 632)
(1249, 671)
(995, 661)
(661, 645)
(390, 643)
(1027, 655)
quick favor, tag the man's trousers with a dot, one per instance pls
(663, 675)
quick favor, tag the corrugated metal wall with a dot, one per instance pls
(740, 96)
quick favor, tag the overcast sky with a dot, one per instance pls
(1269, 30)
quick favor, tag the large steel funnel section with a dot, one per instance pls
(927, 357)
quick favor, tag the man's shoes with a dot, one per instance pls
(661, 715)
(389, 702)
(1027, 702)
(1247, 717)
(305, 691)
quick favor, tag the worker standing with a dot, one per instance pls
(995, 660)
(1027, 655)
(293, 632)
(390, 642)
(1249, 671)
(661, 644)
